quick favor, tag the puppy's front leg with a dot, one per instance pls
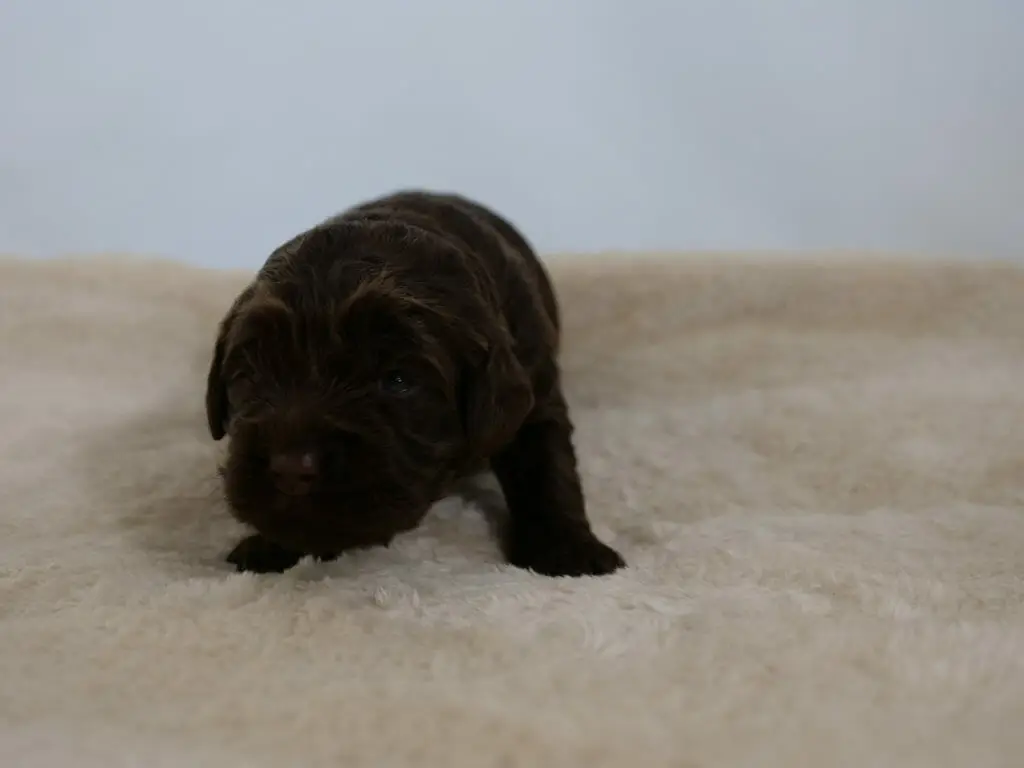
(548, 531)
(258, 554)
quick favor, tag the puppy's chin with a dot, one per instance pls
(320, 523)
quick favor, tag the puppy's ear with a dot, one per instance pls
(498, 397)
(218, 409)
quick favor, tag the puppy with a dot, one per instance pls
(377, 359)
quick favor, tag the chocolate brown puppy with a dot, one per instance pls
(378, 358)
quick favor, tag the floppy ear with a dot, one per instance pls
(218, 411)
(498, 397)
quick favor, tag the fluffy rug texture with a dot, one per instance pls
(814, 467)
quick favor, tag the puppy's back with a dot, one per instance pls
(502, 249)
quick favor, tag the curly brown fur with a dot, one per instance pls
(377, 359)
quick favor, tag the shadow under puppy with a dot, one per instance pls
(377, 359)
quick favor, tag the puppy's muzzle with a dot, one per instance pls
(294, 473)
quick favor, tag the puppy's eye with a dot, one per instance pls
(396, 383)
(238, 376)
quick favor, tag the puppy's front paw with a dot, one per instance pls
(259, 555)
(561, 551)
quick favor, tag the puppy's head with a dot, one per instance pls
(354, 389)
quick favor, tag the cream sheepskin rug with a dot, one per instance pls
(815, 469)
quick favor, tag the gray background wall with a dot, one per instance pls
(211, 130)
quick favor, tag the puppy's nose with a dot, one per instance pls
(294, 473)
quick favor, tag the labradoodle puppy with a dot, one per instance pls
(377, 359)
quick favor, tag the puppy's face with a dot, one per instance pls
(350, 400)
